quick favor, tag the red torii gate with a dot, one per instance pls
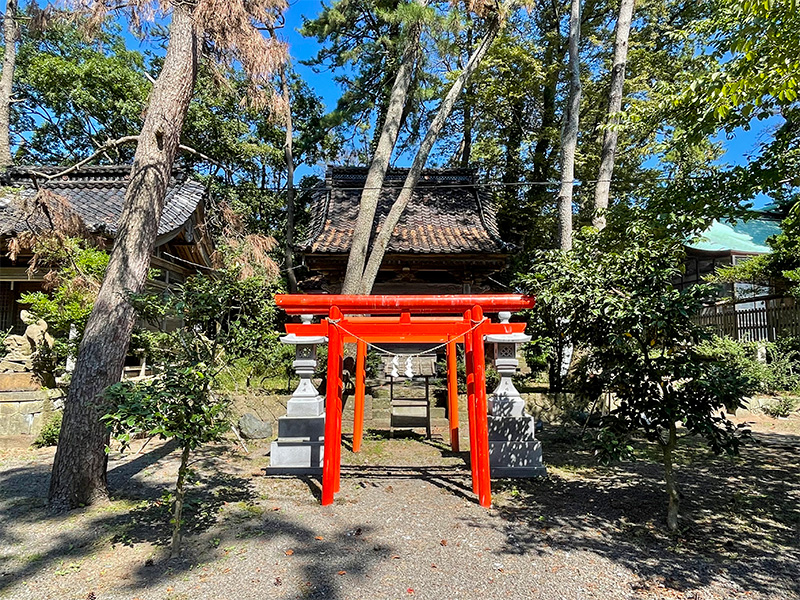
(456, 317)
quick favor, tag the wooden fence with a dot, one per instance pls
(753, 320)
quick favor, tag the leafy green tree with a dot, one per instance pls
(220, 319)
(76, 94)
(623, 309)
(75, 269)
(178, 404)
(79, 467)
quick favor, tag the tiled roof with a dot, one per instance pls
(95, 194)
(448, 213)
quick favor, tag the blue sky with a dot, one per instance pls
(738, 146)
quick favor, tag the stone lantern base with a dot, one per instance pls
(301, 432)
(514, 450)
(299, 447)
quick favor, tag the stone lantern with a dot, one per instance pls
(301, 432)
(514, 450)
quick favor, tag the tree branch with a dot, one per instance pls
(112, 144)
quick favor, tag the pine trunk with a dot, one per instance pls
(603, 189)
(669, 477)
(10, 35)
(79, 468)
(288, 154)
(445, 109)
(362, 230)
(569, 139)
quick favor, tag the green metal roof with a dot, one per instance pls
(750, 236)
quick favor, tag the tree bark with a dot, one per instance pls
(436, 126)
(466, 143)
(669, 477)
(541, 167)
(362, 230)
(291, 278)
(569, 139)
(11, 36)
(177, 514)
(79, 468)
(603, 188)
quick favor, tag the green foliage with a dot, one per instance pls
(76, 271)
(209, 318)
(178, 404)
(782, 407)
(613, 297)
(779, 371)
(48, 436)
(78, 92)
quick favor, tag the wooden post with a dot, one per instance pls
(358, 401)
(452, 394)
(473, 452)
(333, 401)
(481, 411)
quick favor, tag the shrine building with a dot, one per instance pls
(447, 240)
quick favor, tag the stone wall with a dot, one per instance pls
(24, 412)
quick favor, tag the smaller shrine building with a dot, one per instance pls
(447, 241)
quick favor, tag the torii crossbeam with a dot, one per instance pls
(405, 319)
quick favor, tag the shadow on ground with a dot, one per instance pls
(740, 518)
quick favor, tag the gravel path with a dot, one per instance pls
(405, 524)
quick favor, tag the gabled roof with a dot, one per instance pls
(449, 213)
(95, 194)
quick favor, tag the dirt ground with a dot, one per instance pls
(406, 524)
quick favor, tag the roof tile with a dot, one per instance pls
(96, 194)
(448, 213)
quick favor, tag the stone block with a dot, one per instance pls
(16, 424)
(516, 459)
(312, 407)
(500, 406)
(306, 428)
(13, 366)
(289, 455)
(507, 429)
(12, 382)
(9, 407)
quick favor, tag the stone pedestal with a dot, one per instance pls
(514, 450)
(301, 432)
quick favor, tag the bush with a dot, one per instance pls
(778, 372)
(48, 436)
(782, 407)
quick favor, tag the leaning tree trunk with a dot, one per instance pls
(11, 35)
(569, 139)
(603, 188)
(362, 230)
(79, 469)
(288, 155)
(445, 109)
(669, 477)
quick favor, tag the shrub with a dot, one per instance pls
(782, 407)
(778, 372)
(48, 436)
